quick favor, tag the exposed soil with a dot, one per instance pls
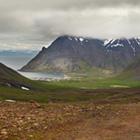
(69, 121)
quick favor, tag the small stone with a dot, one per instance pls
(4, 132)
(45, 127)
(10, 101)
(31, 136)
(29, 118)
(36, 124)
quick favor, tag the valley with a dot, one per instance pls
(84, 109)
(69, 69)
(96, 102)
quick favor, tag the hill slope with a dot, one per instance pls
(132, 71)
(11, 78)
(73, 54)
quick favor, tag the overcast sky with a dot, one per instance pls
(30, 24)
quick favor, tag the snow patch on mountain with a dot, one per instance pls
(117, 45)
(81, 39)
(106, 42)
(69, 38)
(76, 38)
(111, 43)
(133, 43)
(138, 41)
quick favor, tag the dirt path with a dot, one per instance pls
(81, 121)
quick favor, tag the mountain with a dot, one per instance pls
(73, 54)
(11, 78)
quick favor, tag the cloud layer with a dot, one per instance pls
(29, 24)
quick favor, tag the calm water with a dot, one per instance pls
(43, 76)
(17, 62)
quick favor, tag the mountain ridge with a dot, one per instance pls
(73, 54)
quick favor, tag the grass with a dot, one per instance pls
(79, 88)
(72, 90)
(43, 96)
(92, 84)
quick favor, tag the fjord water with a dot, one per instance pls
(43, 76)
(16, 62)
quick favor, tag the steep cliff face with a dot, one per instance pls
(73, 54)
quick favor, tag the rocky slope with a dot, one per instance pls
(73, 54)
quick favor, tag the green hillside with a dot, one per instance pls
(12, 79)
(132, 71)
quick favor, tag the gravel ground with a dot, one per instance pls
(69, 121)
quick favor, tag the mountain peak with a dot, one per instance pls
(72, 53)
(44, 48)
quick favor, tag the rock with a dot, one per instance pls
(36, 124)
(31, 136)
(11, 101)
(4, 132)
(35, 104)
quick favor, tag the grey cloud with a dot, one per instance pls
(43, 4)
(101, 23)
(33, 23)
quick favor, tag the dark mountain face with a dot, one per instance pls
(73, 54)
(122, 52)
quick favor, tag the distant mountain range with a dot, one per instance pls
(9, 53)
(75, 54)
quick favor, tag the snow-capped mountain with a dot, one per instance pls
(133, 44)
(71, 54)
